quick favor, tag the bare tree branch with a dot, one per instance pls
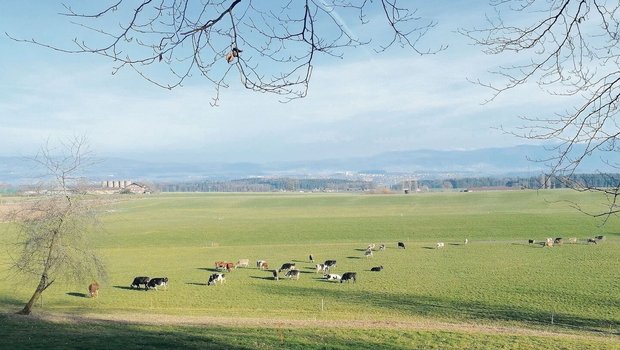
(275, 44)
(569, 48)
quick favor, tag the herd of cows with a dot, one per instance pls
(289, 269)
(549, 242)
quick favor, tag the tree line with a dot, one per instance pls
(343, 185)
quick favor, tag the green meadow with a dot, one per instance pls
(564, 297)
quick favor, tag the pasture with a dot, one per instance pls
(497, 291)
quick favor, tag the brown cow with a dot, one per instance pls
(93, 289)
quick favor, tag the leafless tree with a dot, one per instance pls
(51, 242)
(272, 45)
(570, 48)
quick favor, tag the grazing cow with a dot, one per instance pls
(531, 241)
(292, 274)
(259, 263)
(330, 263)
(466, 241)
(311, 258)
(348, 276)
(382, 247)
(401, 245)
(377, 268)
(230, 266)
(158, 282)
(548, 242)
(275, 275)
(321, 268)
(440, 245)
(93, 289)
(287, 266)
(216, 277)
(600, 238)
(264, 265)
(558, 240)
(368, 253)
(137, 281)
(242, 263)
(572, 240)
(332, 277)
(220, 265)
(590, 240)
(371, 246)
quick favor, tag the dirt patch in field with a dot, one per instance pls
(210, 321)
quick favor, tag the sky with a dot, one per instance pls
(363, 104)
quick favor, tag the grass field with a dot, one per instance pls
(495, 292)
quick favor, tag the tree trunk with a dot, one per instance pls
(36, 295)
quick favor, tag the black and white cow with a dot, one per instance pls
(321, 268)
(292, 274)
(137, 281)
(330, 264)
(158, 282)
(401, 245)
(287, 266)
(216, 277)
(531, 241)
(332, 277)
(348, 276)
(377, 268)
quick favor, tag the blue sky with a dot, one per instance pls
(364, 104)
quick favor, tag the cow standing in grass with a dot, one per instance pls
(332, 277)
(137, 281)
(216, 277)
(287, 266)
(349, 276)
(158, 282)
(93, 289)
(293, 274)
(242, 263)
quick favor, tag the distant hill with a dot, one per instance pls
(481, 162)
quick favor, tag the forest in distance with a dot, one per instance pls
(378, 182)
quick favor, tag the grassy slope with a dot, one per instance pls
(495, 278)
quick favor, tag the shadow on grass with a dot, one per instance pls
(354, 257)
(418, 305)
(428, 247)
(7, 301)
(79, 295)
(196, 283)
(130, 288)
(268, 278)
(31, 332)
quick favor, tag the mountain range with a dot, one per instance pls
(521, 160)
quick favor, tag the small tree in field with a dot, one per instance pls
(51, 242)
